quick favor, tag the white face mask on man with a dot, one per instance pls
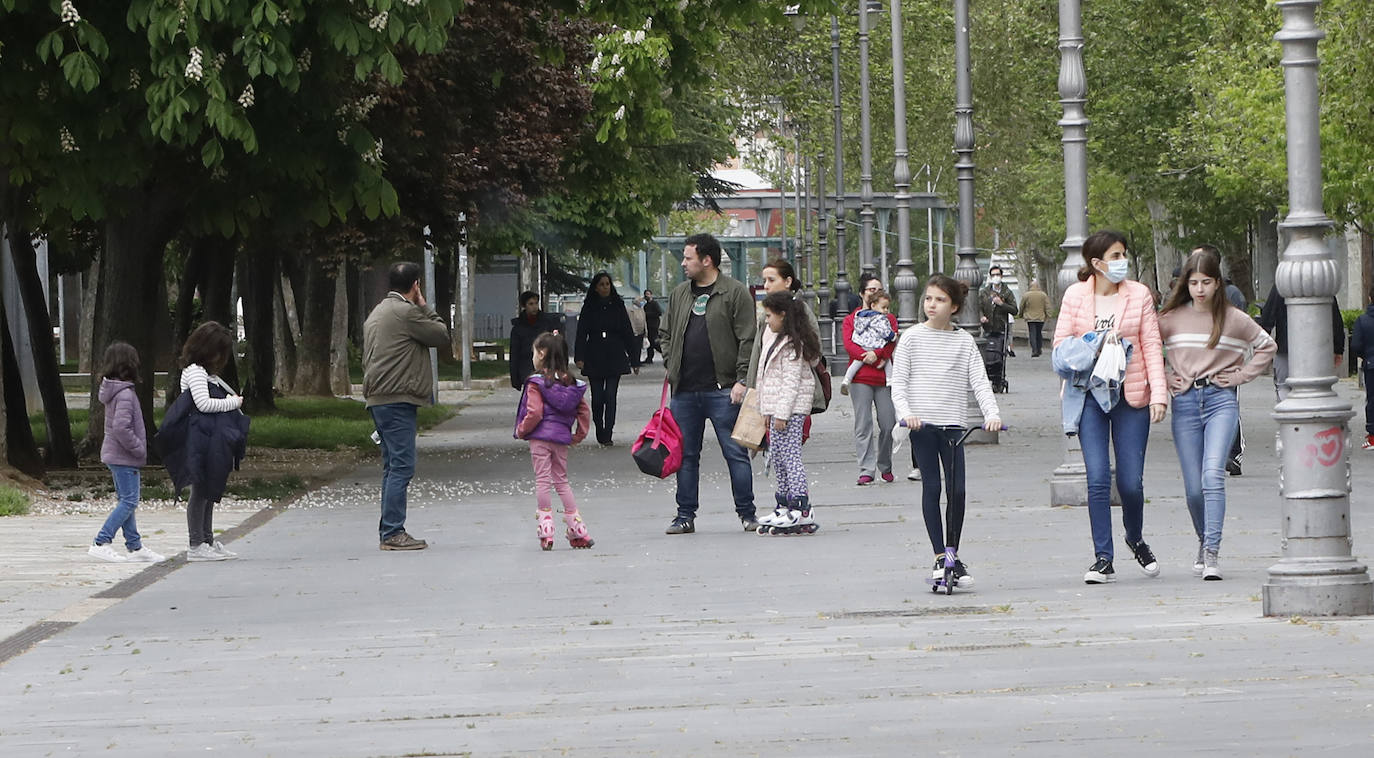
(995, 279)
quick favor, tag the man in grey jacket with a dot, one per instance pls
(707, 338)
(397, 380)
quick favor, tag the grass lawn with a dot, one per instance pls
(450, 370)
(320, 423)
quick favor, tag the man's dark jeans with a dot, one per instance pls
(691, 410)
(396, 423)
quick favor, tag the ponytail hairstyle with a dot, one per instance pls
(120, 362)
(1095, 247)
(796, 327)
(957, 290)
(555, 350)
(1209, 265)
(785, 271)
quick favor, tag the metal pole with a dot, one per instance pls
(966, 270)
(1069, 483)
(841, 278)
(904, 284)
(429, 298)
(930, 231)
(1317, 573)
(866, 155)
(823, 243)
(782, 192)
(800, 223)
(808, 269)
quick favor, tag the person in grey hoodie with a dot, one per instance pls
(124, 452)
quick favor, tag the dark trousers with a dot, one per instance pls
(604, 391)
(1369, 400)
(935, 456)
(1037, 336)
(652, 336)
(199, 519)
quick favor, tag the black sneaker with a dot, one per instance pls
(1145, 557)
(1101, 572)
(681, 525)
(961, 575)
(1233, 467)
(749, 523)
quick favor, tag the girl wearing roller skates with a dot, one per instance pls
(1211, 349)
(784, 385)
(553, 416)
(935, 366)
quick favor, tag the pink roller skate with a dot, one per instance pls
(577, 531)
(545, 521)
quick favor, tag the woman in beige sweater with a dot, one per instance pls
(1211, 349)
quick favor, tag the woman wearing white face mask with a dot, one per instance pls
(1105, 301)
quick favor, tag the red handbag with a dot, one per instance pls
(658, 449)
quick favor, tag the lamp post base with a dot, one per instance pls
(1318, 587)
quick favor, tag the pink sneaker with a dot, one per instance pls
(545, 521)
(888, 477)
(577, 531)
(865, 480)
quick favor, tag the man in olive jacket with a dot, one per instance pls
(397, 379)
(707, 338)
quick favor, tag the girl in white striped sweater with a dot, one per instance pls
(935, 366)
(1211, 348)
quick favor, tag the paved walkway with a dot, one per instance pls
(315, 643)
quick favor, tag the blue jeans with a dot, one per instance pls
(127, 487)
(691, 410)
(1204, 423)
(1128, 430)
(396, 424)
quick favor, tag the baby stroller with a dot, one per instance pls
(995, 360)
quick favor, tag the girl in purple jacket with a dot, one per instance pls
(550, 404)
(124, 452)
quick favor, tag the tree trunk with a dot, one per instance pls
(60, 451)
(339, 382)
(90, 286)
(283, 340)
(315, 303)
(1266, 252)
(256, 276)
(1166, 256)
(129, 302)
(21, 450)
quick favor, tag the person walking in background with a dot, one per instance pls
(397, 380)
(606, 348)
(1212, 348)
(1112, 308)
(527, 325)
(1236, 457)
(935, 366)
(1362, 349)
(553, 415)
(124, 452)
(996, 303)
(217, 439)
(1274, 319)
(707, 338)
(1035, 307)
(786, 385)
(872, 331)
(869, 394)
(653, 316)
(779, 276)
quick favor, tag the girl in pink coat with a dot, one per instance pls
(1119, 310)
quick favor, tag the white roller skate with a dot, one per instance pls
(792, 518)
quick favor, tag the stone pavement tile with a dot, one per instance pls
(722, 642)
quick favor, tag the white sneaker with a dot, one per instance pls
(219, 548)
(144, 555)
(1198, 565)
(844, 387)
(203, 552)
(914, 476)
(1211, 569)
(106, 553)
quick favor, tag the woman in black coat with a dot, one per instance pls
(529, 323)
(606, 348)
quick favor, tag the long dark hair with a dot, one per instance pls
(120, 362)
(555, 350)
(591, 288)
(1096, 246)
(1208, 264)
(785, 271)
(795, 325)
(211, 345)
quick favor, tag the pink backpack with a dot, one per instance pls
(658, 449)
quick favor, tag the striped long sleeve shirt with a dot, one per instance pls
(1243, 352)
(932, 372)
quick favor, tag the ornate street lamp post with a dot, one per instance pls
(841, 278)
(1069, 484)
(966, 270)
(866, 142)
(905, 282)
(1317, 573)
